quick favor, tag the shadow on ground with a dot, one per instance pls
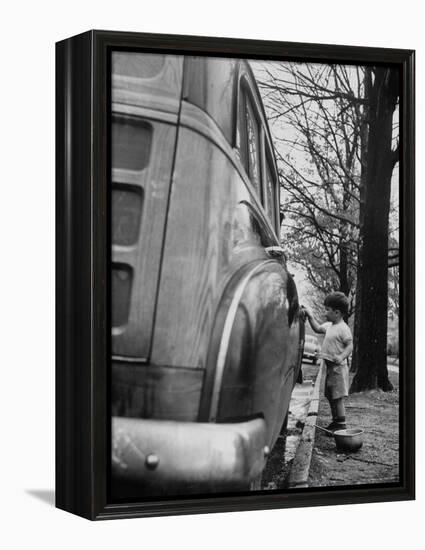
(45, 495)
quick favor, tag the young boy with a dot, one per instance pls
(337, 346)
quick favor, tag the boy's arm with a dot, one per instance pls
(313, 323)
(344, 354)
(347, 341)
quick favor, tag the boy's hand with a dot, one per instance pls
(337, 359)
(307, 311)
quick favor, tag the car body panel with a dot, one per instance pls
(206, 325)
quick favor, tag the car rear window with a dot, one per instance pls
(137, 65)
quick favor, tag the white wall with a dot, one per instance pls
(29, 31)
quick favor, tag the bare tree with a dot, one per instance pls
(317, 107)
(337, 203)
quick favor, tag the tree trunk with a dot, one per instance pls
(372, 301)
(362, 192)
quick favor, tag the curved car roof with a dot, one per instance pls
(211, 83)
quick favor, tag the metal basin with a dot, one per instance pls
(349, 440)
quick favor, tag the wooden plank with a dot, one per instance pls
(298, 477)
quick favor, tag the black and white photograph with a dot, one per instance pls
(211, 236)
(255, 275)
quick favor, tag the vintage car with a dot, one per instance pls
(207, 335)
(311, 348)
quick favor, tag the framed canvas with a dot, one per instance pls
(235, 275)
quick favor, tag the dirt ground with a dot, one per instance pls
(377, 461)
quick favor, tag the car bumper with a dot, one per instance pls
(162, 453)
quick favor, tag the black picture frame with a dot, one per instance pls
(82, 251)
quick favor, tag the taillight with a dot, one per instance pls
(131, 143)
(127, 202)
(122, 276)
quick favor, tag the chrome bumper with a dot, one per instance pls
(162, 452)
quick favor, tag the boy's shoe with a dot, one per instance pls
(334, 426)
